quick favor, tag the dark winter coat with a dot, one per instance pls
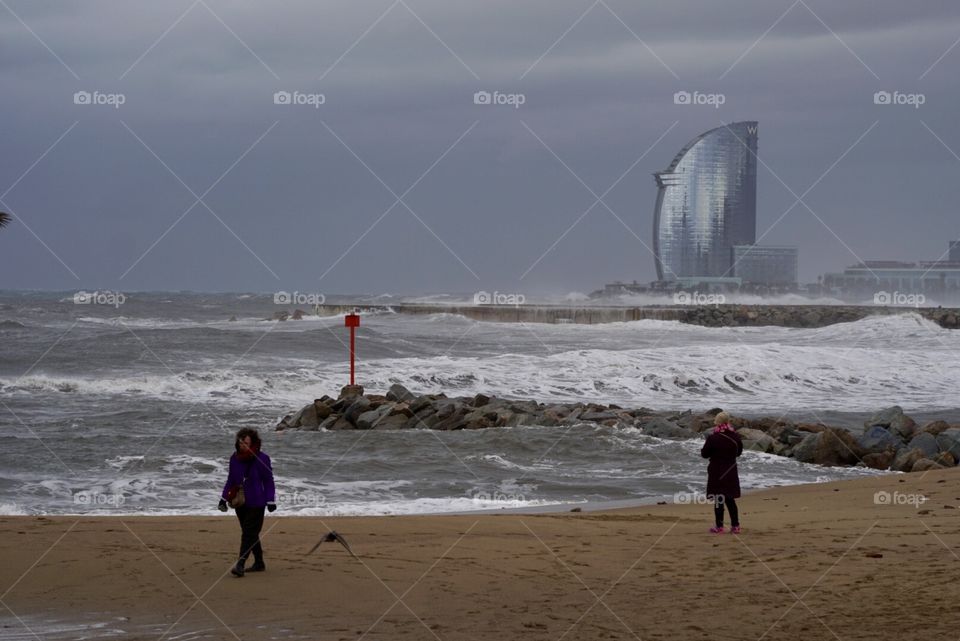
(723, 448)
(257, 478)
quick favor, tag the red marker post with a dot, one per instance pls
(353, 322)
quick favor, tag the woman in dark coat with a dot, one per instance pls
(722, 447)
(250, 468)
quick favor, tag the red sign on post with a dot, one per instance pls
(353, 322)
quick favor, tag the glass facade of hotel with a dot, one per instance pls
(707, 203)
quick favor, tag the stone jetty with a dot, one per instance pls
(704, 315)
(890, 439)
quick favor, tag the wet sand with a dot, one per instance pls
(824, 561)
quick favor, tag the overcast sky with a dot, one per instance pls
(200, 181)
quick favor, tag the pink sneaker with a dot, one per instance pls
(716, 530)
(735, 530)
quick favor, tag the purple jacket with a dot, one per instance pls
(257, 478)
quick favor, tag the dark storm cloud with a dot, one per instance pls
(293, 206)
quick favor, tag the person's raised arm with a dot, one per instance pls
(707, 450)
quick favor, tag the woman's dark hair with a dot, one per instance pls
(244, 433)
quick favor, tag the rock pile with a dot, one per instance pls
(890, 440)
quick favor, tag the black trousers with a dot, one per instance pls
(251, 522)
(718, 502)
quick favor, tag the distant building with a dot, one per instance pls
(939, 281)
(955, 251)
(706, 204)
(768, 265)
(618, 288)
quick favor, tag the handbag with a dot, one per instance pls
(235, 495)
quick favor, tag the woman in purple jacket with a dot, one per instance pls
(250, 468)
(722, 447)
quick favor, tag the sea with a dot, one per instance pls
(127, 404)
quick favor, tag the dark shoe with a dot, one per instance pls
(258, 566)
(237, 570)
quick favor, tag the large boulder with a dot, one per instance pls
(391, 422)
(879, 460)
(398, 392)
(894, 420)
(340, 424)
(830, 447)
(756, 440)
(926, 443)
(906, 459)
(450, 417)
(936, 427)
(368, 419)
(662, 428)
(698, 423)
(878, 439)
(360, 405)
(305, 418)
(945, 459)
(322, 407)
(949, 441)
(926, 464)
(597, 417)
(348, 391)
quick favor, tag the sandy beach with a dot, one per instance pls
(823, 561)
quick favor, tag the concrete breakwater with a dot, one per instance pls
(707, 316)
(890, 440)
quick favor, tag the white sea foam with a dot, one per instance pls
(846, 367)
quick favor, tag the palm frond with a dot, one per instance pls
(5, 219)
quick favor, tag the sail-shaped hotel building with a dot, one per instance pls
(707, 204)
